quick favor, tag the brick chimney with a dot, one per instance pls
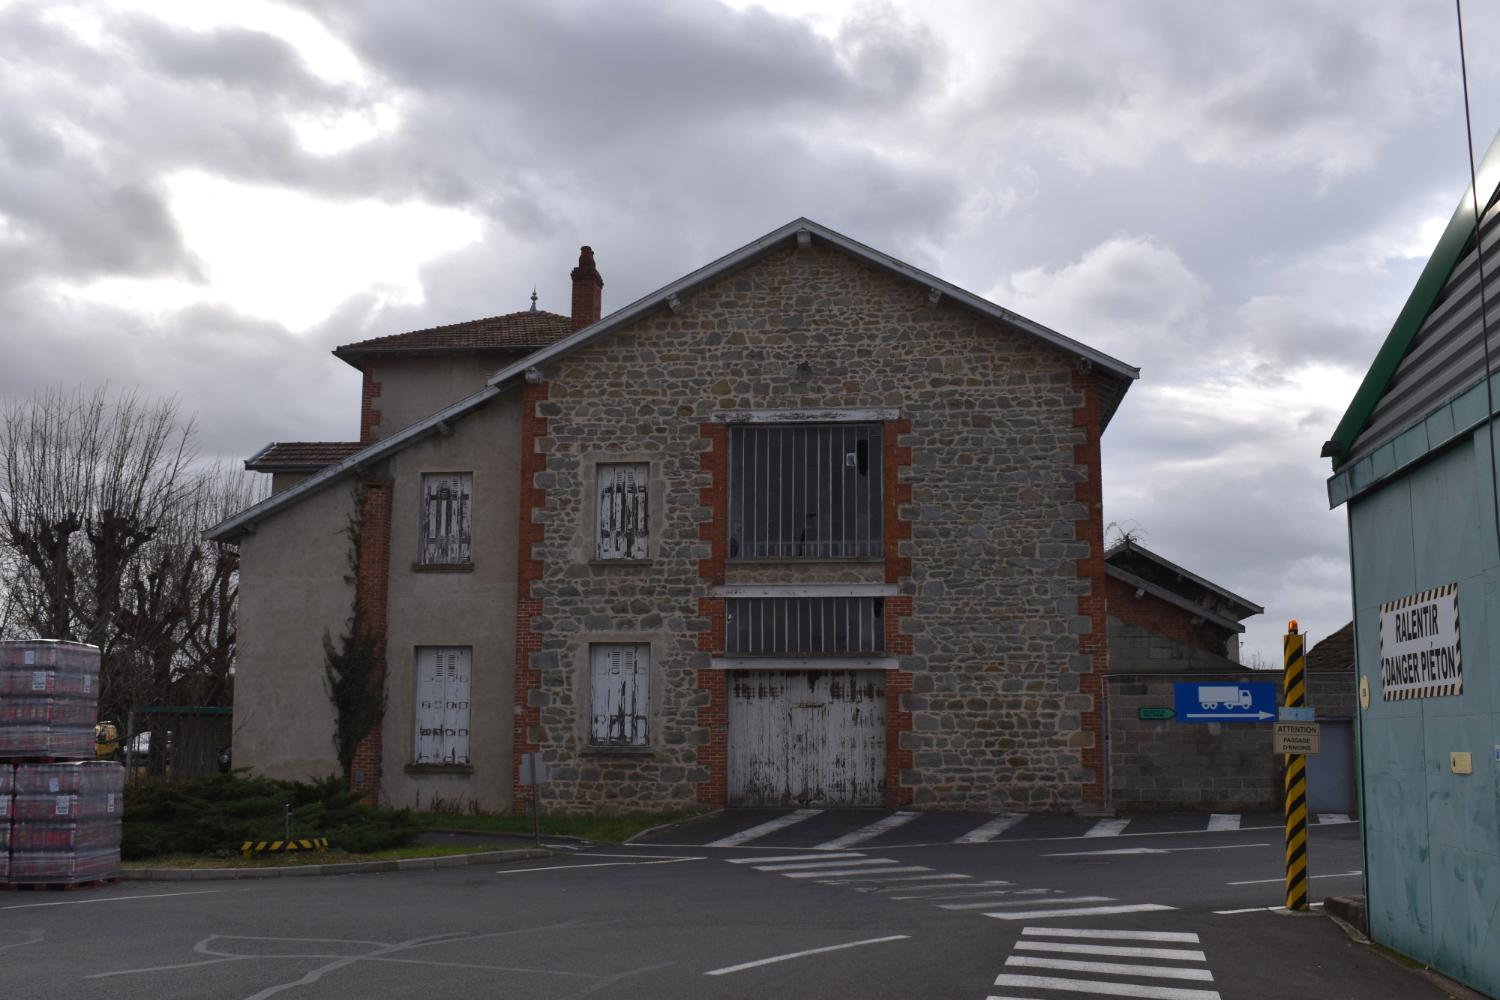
(588, 290)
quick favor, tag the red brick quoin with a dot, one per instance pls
(528, 717)
(897, 682)
(371, 577)
(369, 412)
(1090, 528)
(713, 753)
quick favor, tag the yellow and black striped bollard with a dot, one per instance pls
(1294, 695)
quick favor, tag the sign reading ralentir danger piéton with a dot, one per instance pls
(1419, 654)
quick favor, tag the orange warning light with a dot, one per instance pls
(1291, 627)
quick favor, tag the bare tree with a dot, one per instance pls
(101, 511)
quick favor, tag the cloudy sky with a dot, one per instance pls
(201, 199)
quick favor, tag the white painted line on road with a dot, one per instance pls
(1181, 937)
(875, 829)
(600, 864)
(791, 857)
(803, 954)
(1151, 850)
(1108, 828)
(112, 899)
(1070, 911)
(1112, 950)
(1264, 909)
(916, 879)
(1027, 902)
(1107, 989)
(813, 865)
(853, 871)
(989, 831)
(1112, 968)
(1282, 878)
(1224, 821)
(1326, 818)
(946, 891)
(761, 830)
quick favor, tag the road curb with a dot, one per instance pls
(663, 827)
(342, 868)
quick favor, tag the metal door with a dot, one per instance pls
(806, 738)
(1330, 772)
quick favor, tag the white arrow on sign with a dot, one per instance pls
(1230, 715)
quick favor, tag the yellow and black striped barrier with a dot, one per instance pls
(1294, 695)
(250, 847)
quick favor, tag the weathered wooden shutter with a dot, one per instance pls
(624, 517)
(442, 716)
(446, 512)
(621, 695)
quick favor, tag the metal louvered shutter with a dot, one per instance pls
(447, 501)
(623, 511)
(620, 693)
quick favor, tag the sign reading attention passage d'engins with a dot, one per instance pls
(1419, 654)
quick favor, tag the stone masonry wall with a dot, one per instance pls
(1174, 765)
(997, 531)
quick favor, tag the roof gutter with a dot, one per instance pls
(1142, 584)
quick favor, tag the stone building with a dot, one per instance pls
(805, 525)
(1168, 626)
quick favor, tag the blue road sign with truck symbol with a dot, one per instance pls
(1218, 701)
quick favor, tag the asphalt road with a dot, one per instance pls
(948, 920)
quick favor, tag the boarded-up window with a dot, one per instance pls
(805, 492)
(624, 517)
(805, 626)
(442, 717)
(447, 500)
(620, 694)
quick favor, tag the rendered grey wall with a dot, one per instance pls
(1433, 837)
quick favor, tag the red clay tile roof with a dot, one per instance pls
(296, 456)
(518, 331)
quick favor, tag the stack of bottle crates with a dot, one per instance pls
(60, 809)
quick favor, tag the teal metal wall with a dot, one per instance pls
(1432, 838)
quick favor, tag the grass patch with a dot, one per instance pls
(233, 859)
(608, 829)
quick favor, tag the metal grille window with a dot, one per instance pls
(624, 517)
(805, 626)
(805, 492)
(442, 717)
(620, 694)
(447, 500)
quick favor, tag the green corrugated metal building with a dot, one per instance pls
(1415, 464)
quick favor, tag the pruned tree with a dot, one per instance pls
(102, 505)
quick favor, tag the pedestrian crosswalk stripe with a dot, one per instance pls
(852, 871)
(1108, 828)
(1224, 821)
(1183, 937)
(809, 865)
(1027, 902)
(916, 879)
(864, 833)
(1114, 951)
(791, 857)
(946, 891)
(1111, 968)
(1079, 911)
(1105, 988)
(761, 830)
(989, 831)
(1334, 818)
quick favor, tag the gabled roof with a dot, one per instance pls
(1335, 652)
(517, 331)
(300, 456)
(1129, 558)
(1118, 375)
(1451, 247)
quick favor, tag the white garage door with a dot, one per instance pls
(808, 738)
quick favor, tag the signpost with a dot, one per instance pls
(1225, 702)
(534, 774)
(1294, 695)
